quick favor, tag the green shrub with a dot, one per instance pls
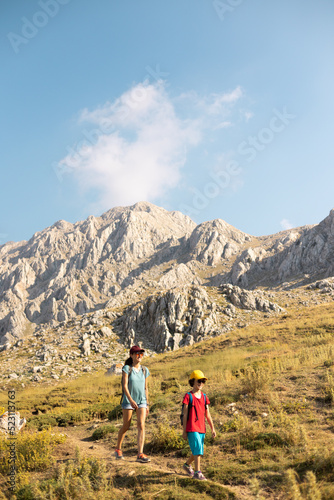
(218, 399)
(255, 380)
(264, 439)
(33, 450)
(79, 479)
(171, 384)
(102, 431)
(115, 413)
(292, 486)
(159, 404)
(328, 388)
(235, 424)
(41, 422)
(166, 438)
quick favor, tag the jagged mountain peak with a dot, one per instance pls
(213, 241)
(300, 255)
(73, 269)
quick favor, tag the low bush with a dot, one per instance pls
(255, 380)
(306, 490)
(328, 388)
(41, 422)
(115, 413)
(103, 431)
(159, 404)
(275, 431)
(171, 384)
(79, 479)
(264, 439)
(33, 450)
(166, 438)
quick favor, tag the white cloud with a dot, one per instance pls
(219, 101)
(286, 224)
(248, 115)
(214, 103)
(225, 124)
(139, 144)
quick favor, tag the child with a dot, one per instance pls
(134, 383)
(194, 426)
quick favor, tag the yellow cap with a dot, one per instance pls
(198, 375)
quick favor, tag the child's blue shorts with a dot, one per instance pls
(196, 442)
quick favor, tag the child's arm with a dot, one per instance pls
(209, 419)
(185, 420)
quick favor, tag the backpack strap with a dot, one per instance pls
(191, 405)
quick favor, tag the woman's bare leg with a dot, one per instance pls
(127, 415)
(141, 416)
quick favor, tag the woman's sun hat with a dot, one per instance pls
(136, 348)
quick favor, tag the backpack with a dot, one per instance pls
(190, 405)
(130, 370)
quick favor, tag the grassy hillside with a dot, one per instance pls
(271, 387)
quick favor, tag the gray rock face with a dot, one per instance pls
(325, 286)
(85, 347)
(167, 320)
(212, 242)
(299, 254)
(115, 369)
(244, 299)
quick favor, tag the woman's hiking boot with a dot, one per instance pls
(143, 458)
(119, 455)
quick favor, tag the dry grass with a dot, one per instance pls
(280, 375)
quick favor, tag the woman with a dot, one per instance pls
(135, 397)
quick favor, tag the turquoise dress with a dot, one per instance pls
(136, 385)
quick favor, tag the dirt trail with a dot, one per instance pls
(80, 437)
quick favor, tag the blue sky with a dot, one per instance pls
(220, 109)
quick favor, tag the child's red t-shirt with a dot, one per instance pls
(194, 425)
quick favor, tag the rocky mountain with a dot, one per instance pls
(128, 254)
(301, 256)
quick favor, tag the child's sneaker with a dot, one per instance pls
(119, 455)
(143, 458)
(199, 475)
(189, 470)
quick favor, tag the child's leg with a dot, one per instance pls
(190, 459)
(197, 459)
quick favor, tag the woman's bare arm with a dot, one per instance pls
(125, 383)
